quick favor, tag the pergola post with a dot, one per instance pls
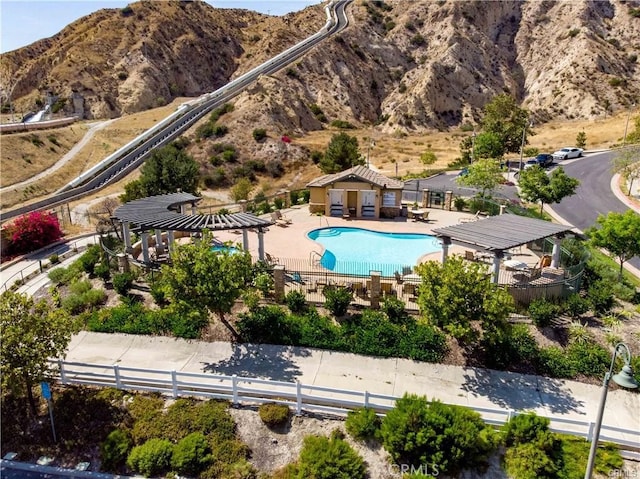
(159, 244)
(126, 236)
(446, 241)
(261, 245)
(171, 239)
(245, 240)
(496, 266)
(555, 252)
(144, 237)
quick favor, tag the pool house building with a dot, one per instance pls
(356, 193)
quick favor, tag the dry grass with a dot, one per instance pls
(103, 143)
(389, 150)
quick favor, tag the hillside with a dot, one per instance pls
(407, 73)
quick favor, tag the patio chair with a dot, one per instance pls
(469, 255)
(277, 220)
(282, 217)
(272, 260)
(475, 217)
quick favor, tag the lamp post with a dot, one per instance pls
(524, 133)
(626, 125)
(473, 146)
(625, 379)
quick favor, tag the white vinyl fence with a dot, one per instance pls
(301, 397)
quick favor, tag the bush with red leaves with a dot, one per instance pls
(33, 231)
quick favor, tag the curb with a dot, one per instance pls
(58, 471)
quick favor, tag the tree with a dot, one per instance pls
(619, 233)
(168, 170)
(342, 153)
(535, 185)
(627, 164)
(581, 140)
(488, 145)
(31, 334)
(484, 175)
(634, 136)
(241, 190)
(503, 117)
(207, 279)
(427, 158)
(457, 292)
(33, 231)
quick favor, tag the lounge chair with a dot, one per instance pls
(475, 217)
(272, 260)
(278, 221)
(278, 214)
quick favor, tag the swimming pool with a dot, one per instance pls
(222, 247)
(358, 251)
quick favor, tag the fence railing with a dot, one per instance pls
(63, 252)
(301, 397)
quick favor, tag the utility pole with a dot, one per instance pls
(626, 126)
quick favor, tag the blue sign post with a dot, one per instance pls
(46, 393)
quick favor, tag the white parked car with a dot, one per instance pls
(567, 153)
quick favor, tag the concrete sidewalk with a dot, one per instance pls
(452, 384)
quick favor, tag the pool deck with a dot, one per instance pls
(291, 241)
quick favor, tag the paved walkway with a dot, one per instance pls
(473, 387)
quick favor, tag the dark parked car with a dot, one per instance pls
(544, 159)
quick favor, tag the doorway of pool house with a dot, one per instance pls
(368, 204)
(352, 203)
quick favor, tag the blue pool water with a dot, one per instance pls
(219, 247)
(359, 251)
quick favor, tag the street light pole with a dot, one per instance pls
(473, 146)
(625, 379)
(626, 126)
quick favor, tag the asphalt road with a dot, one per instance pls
(594, 195)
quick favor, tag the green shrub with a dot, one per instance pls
(575, 451)
(264, 283)
(363, 423)
(525, 428)
(122, 283)
(90, 258)
(554, 361)
(103, 271)
(394, 309)
(268, 324)
(528, 461)
(259, 134)
(589, 358)
(320, 332)
(296, 301)
(575, 305)
(191, 455)
(459, 203)
(329, 458)
(444, 436)
(58, 275)
(151, 458)
(114, 450)
(542, 311)
(509, 346)
(600, 295)
(342, 124)
(158, 293)
(54, 259)
(337, 299)
(274, 414)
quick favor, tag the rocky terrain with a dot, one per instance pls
(402, 67)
